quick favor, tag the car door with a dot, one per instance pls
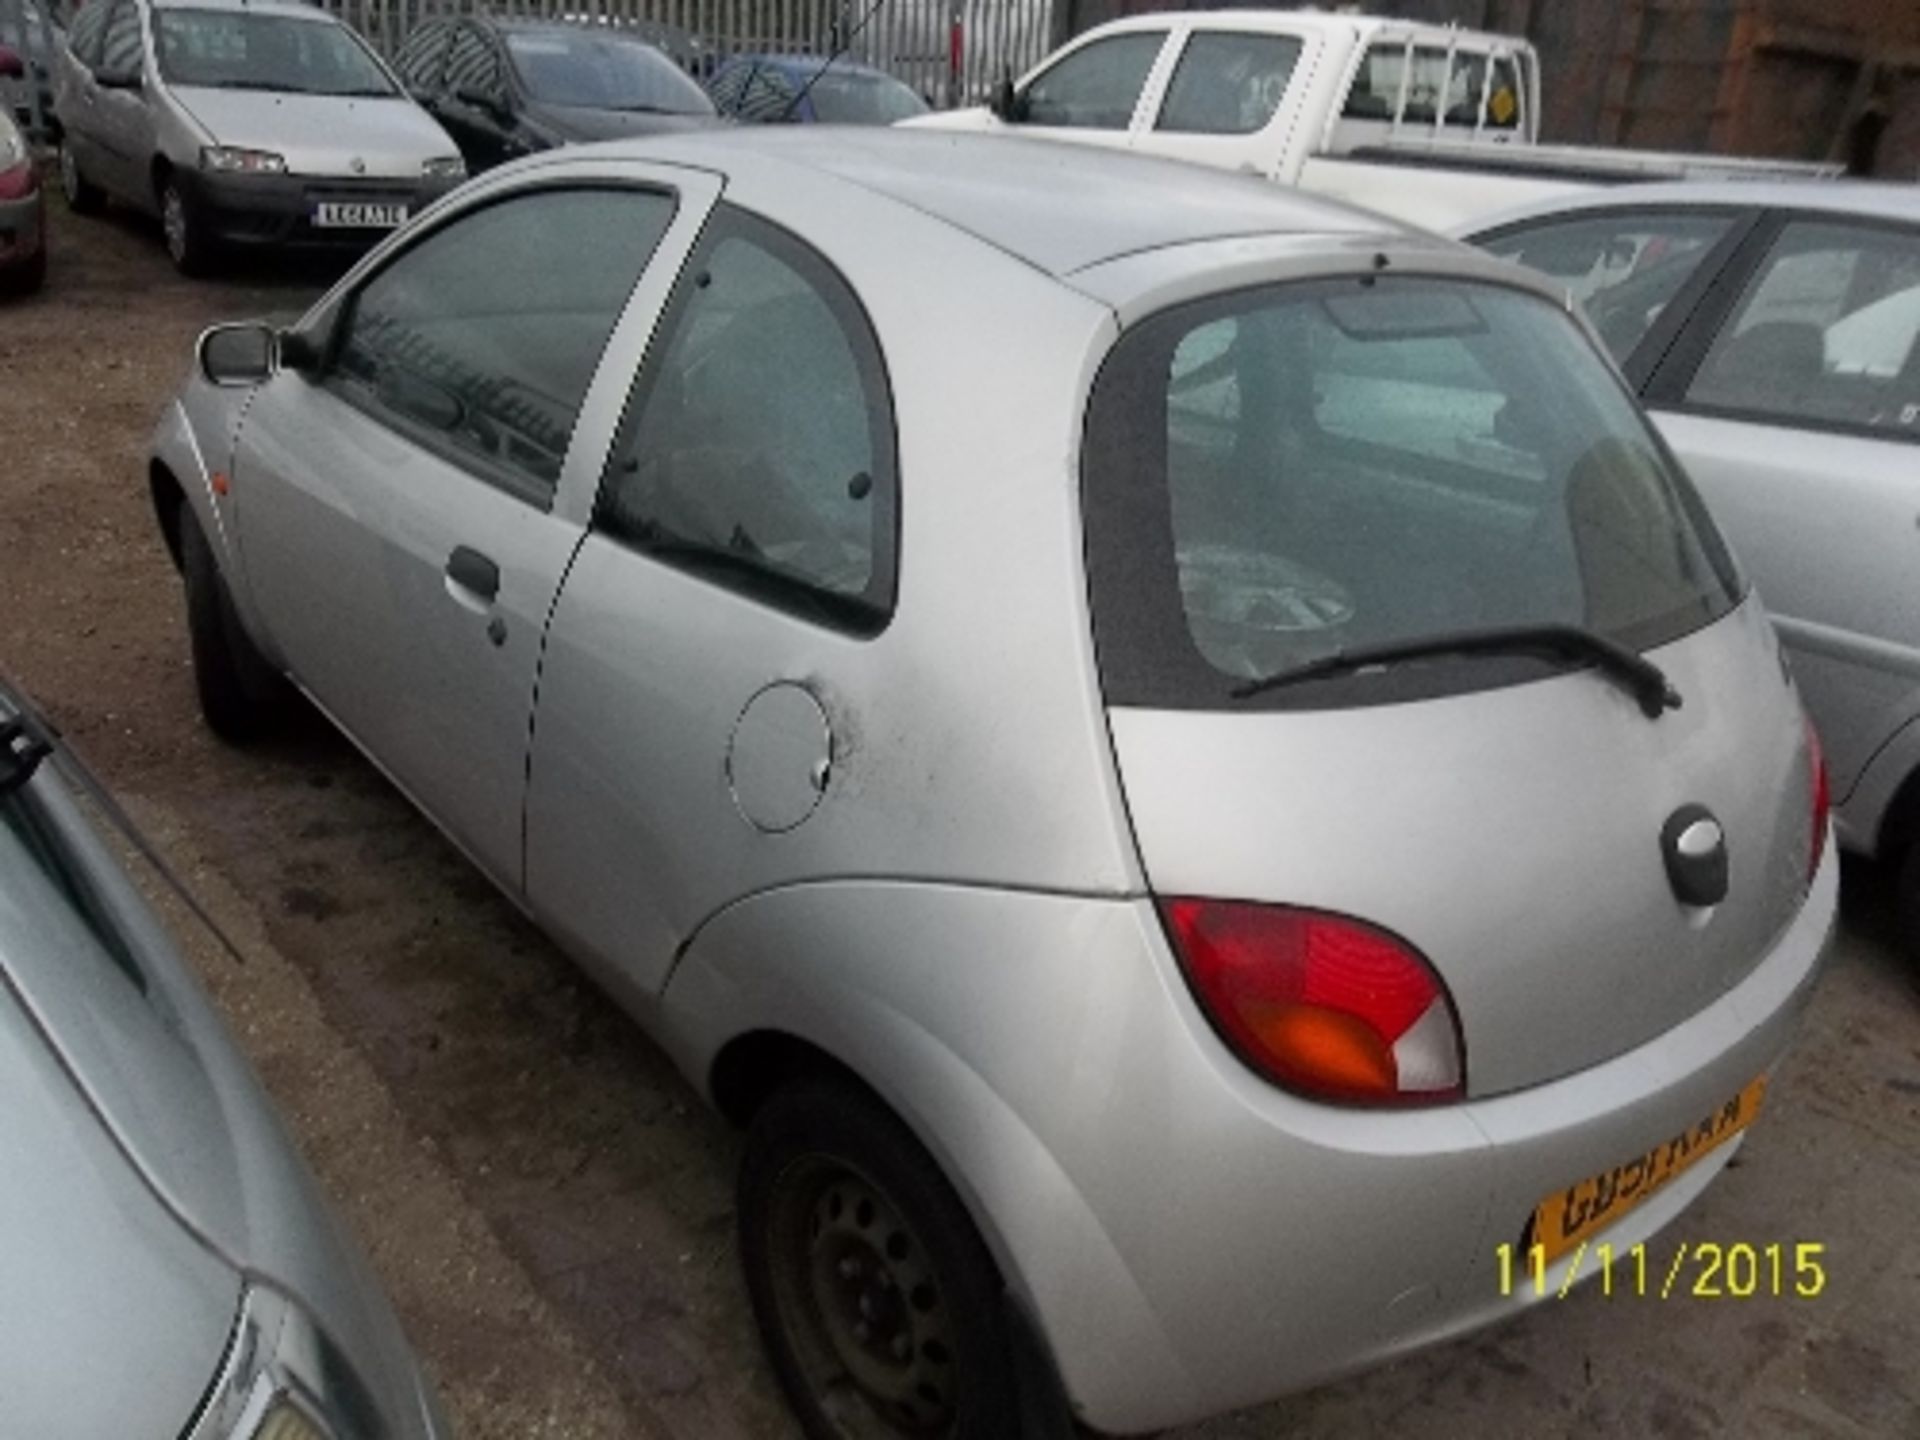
(742, 557)
(78, 95)
(1794, 403)
(1092, 94)
(118, 123)
(402, 511)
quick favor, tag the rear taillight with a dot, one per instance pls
(1822, 801)
(1330, 1007)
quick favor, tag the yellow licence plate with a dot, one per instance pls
(1563, 1220)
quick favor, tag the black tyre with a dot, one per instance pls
(82, 195)
(879, 1305)
(189, 246)
(240, 694)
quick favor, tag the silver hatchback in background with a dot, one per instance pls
(242, 123)
(172, 1270)
(1773, 330)
(1180, 756)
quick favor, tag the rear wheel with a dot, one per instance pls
(82, 195)
(188, 245)
(880, 1306)
(239, 691)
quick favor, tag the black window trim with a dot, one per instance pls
(1644, 363)
(500, 477)
(1668, 388)
(862, 618)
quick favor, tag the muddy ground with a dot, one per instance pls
(548, 1202)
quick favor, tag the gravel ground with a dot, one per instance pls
(548, 1202)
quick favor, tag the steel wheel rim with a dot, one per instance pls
(860, 1305)
(173, 219)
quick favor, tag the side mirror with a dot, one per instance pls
(490, 104)
(12, 67)
(1003, 102)
(238, 355)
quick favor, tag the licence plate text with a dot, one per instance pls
(336, 215)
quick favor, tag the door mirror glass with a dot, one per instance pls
(11, 65)
(237, 354)
(1004, 100)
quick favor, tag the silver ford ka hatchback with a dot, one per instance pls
(1180, 756)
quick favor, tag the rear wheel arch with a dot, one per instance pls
(755, 1066)
(169, 504)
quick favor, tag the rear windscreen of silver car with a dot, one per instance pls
(1278, 475)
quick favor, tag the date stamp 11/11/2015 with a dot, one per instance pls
(1701, 1270)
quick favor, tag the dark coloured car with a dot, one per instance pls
(505, 88)
(763, 89)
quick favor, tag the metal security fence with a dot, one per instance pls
(951, 51)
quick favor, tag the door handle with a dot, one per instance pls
(474, 573)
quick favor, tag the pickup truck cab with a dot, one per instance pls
(1429, 123)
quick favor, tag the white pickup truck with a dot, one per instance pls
(1429, 123)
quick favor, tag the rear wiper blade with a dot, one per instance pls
(1646, 681)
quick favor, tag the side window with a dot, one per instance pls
(1376, 84)
(120, 51)
(1228, 84)
(1825, 333)
(88, 31)
(759, 444)
(472, 64)
(424, 56)
(1465, 82)
(1624, 269)
(765, 96)
(1097, 86)
(1427, 86)
(479, 342)
(1504, 95)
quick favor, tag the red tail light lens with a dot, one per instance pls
(1822, 800)
(1330, 1007)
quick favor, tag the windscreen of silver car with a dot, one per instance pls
(247, 50)
(1279, 475)
(850, 97)
(602, 72)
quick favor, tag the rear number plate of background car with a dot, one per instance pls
(1564, 1220)
(339, 215)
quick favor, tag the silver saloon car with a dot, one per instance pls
(172, 1270)
(242, 123)
(1180, 756)
(1773, 331)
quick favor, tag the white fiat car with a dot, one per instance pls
(1182, 757)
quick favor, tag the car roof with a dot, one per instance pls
(1869, 199)
(1365, 27)
(1059, 208)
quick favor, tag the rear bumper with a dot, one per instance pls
(1238, 1244)
(22, 229)
(279, 209)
